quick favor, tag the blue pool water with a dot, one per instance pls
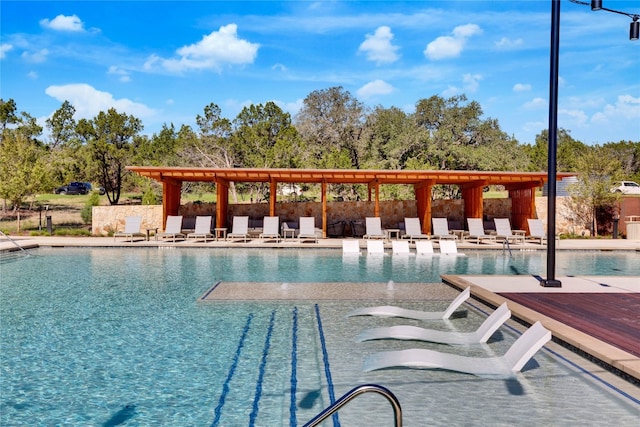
(105, 337)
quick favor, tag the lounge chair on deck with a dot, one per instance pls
(132, 226)
(476, 231)
(400, 247)
(528, 344)
(375, 247)
(392, 311)
(271, 228)
(536, 231)
(202, 229)
(173, 229)
(407, 332)
(307, 229)
(240, 228)
(441, 229)
(350, 247)
(374, 228)
(424, 247)
(413, 230)
(504, 233)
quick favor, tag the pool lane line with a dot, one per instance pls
(232, 370)
(294, 367)
(569, 362)
(213, 288)
(261, 370)
(327, 369)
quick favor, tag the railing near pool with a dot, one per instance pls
(352, 394)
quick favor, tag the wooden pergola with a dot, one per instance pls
(521, 187)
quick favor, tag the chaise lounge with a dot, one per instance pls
(393, 311)
(528, 344)
(408, 332)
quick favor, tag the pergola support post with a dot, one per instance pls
(473, 201)
(171, 189)
(222, 202)
(423, 202)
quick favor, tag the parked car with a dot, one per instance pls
(90, 188)
(627, 187)
(73, 188)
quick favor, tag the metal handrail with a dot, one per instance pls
(14, 242)
(505, 243)
(353, 393)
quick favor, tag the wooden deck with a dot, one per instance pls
(610, 317)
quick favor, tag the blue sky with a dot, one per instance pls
(164, 61)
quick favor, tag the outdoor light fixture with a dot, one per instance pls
(634, 29)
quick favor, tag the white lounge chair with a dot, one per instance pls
(350, 247)
(202, 229)
(240, 228)
(173, 229)
(400, 247)
(536, 231)
(374, 228)
(424, 247)
(407, 332)
(392, 311)
(413, 230)
(132, 226)
(375, 247)
(528, 344)
(307, 229)
(503, 231)
(476, 231)
(271, 228)
(441, 229)
(449, 247)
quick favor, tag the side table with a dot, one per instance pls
(220, 233)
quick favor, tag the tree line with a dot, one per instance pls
(333, 129)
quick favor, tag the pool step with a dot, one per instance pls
(268, 354)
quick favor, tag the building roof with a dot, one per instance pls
(344, 176)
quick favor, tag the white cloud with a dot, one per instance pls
(451, 91)
(123, 74)
(471, 82)
(35, 57)
(521, 87)
(535, 104)
(88, 101)
(451, 46)
(63, 23)
(32, 75)
(376, 87)
(378, 47)
(507, 43)
(279, 67)
(626, 107)
(572, 118)
(212, 52)
(4, 48)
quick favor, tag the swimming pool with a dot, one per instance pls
(119, 339)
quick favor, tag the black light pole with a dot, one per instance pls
(551, 281)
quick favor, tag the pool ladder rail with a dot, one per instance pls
(352, 394)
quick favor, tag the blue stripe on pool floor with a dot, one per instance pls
(327, 369)
(263, 363)
(232, 369)
(294, 367)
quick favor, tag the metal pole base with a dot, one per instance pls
(550, 283)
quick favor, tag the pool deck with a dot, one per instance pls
(597, 315)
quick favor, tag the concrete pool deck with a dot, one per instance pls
(492, 290)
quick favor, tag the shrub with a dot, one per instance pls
(87, 211)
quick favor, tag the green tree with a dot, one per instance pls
(23, 168)
(109, 137)
(592, 192)
(330, 123)
(567, 152)
(8, 113)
